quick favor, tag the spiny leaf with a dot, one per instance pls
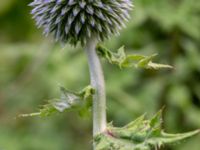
(140, 134)
(69, 101)
(123, 60)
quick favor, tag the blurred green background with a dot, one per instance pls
(32, 68)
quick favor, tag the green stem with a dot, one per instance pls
(97, 81)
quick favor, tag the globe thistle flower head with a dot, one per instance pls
(76, 21)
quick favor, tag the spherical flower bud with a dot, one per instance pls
(76, 21)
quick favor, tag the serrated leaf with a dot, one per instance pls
(69, 101)
(140, 134)
(123, 60)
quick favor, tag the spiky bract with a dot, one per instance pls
(75, 21)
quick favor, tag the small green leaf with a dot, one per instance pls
(69, 101)
(124, 61)
(156, 66)
(140, 134)
(156, 121)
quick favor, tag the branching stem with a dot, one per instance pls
(97, 81)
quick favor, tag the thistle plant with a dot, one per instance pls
(89, 22)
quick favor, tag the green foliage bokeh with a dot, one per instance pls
(32, 68)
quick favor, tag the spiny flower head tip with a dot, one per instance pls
(74, 21)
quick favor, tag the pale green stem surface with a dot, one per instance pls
(97, 82)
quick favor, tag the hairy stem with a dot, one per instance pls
(97, 81)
